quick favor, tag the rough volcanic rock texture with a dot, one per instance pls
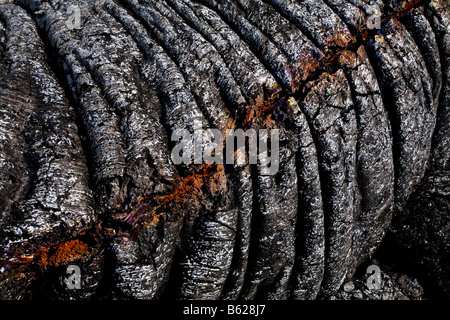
(92, 91)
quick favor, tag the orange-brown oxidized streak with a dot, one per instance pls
(405, 7)
(145, 215)
(64, 253)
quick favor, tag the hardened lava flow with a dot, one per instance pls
(92, 91)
